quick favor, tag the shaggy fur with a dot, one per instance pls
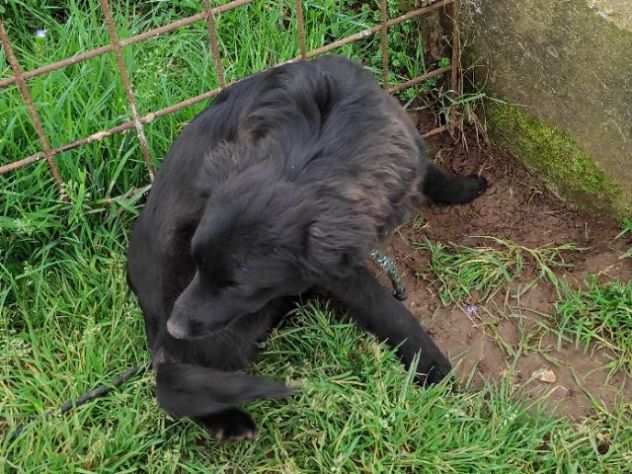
(283, 185)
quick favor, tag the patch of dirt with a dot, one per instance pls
(508, 337)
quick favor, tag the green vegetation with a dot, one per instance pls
(357, 411)
(601, 313)
(481, 271)
(626, 232)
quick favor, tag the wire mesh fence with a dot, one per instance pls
(137, 122)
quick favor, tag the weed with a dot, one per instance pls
(626, 232)
(600, 314)
(466, 272)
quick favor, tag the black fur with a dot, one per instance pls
(283, 185)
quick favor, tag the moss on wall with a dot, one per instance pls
(557, 157)
(568, 65)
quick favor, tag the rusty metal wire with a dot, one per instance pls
(300, 28)
(456, 47)
(209, 14)
(419, 79)
(374, 29)
(384, 42)
(48, 153)
(214, 45)
(456, 81)
(120, 62)
(139, 38)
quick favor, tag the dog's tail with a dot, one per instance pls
(185, 390)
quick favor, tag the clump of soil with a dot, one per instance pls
(506, 337)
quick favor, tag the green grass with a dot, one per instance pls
(480, 272)
(68, 323)
(601, 313)
(356, 411)
(82, 99)
(626, 232)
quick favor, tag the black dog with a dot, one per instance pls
(285, 184)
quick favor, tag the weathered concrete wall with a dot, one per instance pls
(568, 65)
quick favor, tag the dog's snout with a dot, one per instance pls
(176, 329)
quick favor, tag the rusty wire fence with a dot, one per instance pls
(137, 122)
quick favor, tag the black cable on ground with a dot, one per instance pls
(96, 392)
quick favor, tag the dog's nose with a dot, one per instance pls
(176, 330)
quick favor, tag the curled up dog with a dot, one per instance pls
(284, 185)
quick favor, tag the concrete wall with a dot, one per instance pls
(567, 64)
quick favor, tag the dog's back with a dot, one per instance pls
(329, 125)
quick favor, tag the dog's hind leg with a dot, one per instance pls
(232, 424)
(444, 188)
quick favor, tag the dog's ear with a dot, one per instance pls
(337, 242)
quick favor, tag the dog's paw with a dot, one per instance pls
(478, 185)
(431, 372)
(437, 373)
(230, 425)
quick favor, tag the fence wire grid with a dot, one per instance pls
(209, 15)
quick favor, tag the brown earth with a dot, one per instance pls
(509, 336)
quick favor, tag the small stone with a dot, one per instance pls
(471, 310)
(544, 375)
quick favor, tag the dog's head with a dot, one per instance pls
(260, 239)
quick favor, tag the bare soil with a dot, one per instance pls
(508, 337)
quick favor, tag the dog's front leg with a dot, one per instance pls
(373, 307)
